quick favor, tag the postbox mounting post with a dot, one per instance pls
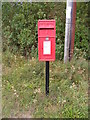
(47, 77)
(46, 45)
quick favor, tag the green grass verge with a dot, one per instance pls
(24, 88)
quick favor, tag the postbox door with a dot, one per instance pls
(47, 49)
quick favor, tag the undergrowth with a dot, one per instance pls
(24, 88)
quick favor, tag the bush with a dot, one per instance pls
(20, 27)
(81, 36)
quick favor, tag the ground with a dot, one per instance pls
(23, 92)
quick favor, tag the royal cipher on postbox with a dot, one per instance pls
(46, 40)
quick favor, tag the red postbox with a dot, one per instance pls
(46, 40)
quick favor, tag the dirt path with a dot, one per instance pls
(26, 115)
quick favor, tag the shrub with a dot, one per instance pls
(20, 27)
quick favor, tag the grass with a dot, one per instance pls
(23, 90)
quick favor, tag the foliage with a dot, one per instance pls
(20, 26)
(81, 36)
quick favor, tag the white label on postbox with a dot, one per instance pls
(47, 47)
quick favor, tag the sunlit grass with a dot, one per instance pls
(24, 88)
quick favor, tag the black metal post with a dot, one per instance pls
(47, 77)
